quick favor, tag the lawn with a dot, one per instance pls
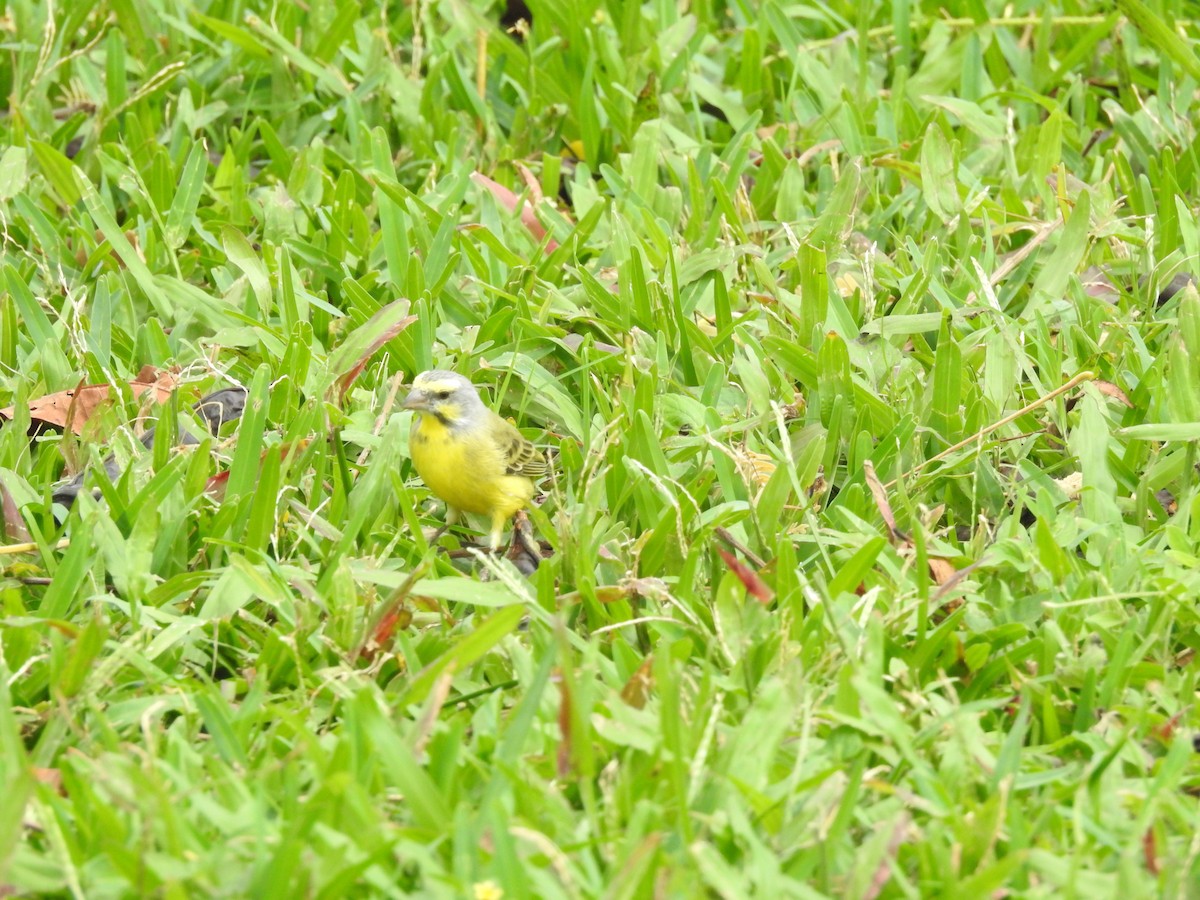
(862, 340)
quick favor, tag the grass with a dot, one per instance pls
(875, 518)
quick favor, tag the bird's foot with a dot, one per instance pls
(523, 550)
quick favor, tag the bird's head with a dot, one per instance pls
(446, 396)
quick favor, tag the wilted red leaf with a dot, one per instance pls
(883, 872)
(355, 370)
(1166, 730)
(531, 182)
(51, 777)
(215, 486)
(399, 617)
(393, 615)
(1096, 283)
(755, 586)
(81, 403)
(14, 525)
(1150, 851)
(513, 203)
(564, 726)
(637, 688)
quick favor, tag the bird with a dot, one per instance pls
(467, 455)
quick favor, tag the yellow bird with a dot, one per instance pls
(466, 454)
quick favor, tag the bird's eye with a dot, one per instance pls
(442, 395)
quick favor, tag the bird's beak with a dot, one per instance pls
(416, 399)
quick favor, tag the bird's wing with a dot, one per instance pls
(520, 456)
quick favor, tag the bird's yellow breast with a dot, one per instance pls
(466, 469)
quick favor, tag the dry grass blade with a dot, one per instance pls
(995, 426)
(879, 494)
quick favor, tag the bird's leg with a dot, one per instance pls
(497, 533)
(523, 536)
(451, 519)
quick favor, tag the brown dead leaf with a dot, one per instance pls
(637, 688)
(755, 586)
(1010, 261)
(513, 203)
(1108, 389)
(941, 570)
(950, 583)
(80, 404)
